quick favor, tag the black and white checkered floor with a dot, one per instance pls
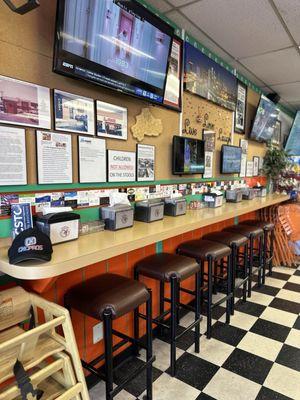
(257, 356)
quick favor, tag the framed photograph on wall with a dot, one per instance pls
(240, 110)
(255, 166)
(92, 159)
(244, 146)
(23, 103)
(73, 113)
(111, 121)
(121, 166)
(276, 138)
(145, 162)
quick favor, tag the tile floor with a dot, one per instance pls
(256, 357)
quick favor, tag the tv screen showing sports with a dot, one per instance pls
(265, 120)
(114, 43)
(231, 157)
(188, 156)
(293, 143)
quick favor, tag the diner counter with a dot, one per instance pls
(90, 249)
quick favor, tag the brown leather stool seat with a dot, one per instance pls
(245, 230)
(227, 238)
(164, 265)
(112, 292)
(266, 226)
(204, 249)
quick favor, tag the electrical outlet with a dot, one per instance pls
(97, 332)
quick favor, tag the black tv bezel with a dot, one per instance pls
(58, 51)
(222, 159)
(175, 137)
(251, 130)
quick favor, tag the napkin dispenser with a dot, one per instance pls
(149, 210)
(60, 227)
(117, 217)
(234, 195)
(248, 193)
(213, 200)
(175, 207)
(261, 191)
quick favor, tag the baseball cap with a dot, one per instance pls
(31, 244)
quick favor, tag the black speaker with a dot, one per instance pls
(274, 97)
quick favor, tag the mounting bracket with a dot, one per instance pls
(25, 8)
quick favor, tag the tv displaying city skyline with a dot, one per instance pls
(206, 78)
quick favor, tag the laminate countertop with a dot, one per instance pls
(100, 246)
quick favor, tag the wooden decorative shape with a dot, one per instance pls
(146, 125)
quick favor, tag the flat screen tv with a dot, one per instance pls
(293, 143)
(265, 120)
(113, 43)
(231, 157)
(188, 156)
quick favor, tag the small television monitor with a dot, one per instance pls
(114, 43)
(265, 120)
(231, 157)
(292, 146)
(188, 156)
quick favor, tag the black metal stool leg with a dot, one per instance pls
(107, 325)
(136, 322)
(197, 311)
(245, 274)
(209, 297)
(229, 289)
(264, 256)
(174, 289)
(271, 252)
(161, 303)
(233, 266)
(149, 351)
(201, 264)
(250, 266)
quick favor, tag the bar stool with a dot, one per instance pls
(212, 252)
(173, 269)
(106, 298)
(268, 246)
(255, 261)
(239, 260)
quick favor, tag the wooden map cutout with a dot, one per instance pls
(146, 125)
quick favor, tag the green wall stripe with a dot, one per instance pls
(236, 220)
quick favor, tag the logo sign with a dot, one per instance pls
(21, 218)
(30, 241)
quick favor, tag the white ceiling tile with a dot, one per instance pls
(290, 12)
(178, 3)
(296, 104)
(277, 67)
(180, 20)
(289, 92)
(242, 27)
(161, 5)
(242, 70)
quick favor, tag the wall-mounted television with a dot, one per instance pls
(231, 157)
(265, 120)
(293, 143)
(114, 43)
(188, 156)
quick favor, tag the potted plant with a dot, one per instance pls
(276, 161)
